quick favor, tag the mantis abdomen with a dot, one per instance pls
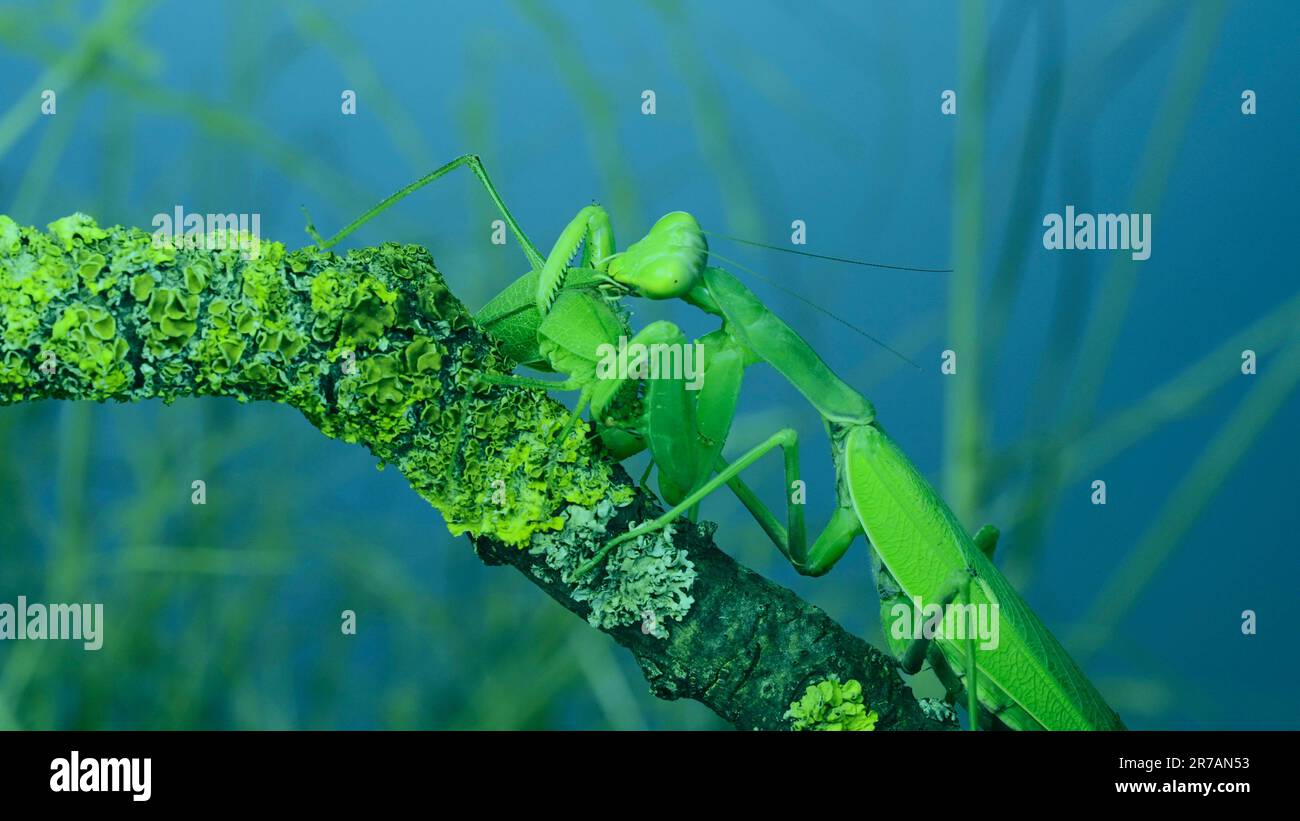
(1028, 681)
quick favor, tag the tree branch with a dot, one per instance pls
(373, 348)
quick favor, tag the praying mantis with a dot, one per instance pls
(555, 317)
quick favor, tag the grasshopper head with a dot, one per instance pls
(667, 262)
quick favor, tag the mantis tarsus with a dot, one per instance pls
(555, 317)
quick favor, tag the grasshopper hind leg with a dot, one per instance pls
(470, 161)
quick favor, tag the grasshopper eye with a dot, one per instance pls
(667, 262)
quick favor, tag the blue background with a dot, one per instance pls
(226, 615)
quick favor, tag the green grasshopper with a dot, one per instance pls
(557, 315)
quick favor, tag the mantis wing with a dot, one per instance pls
(1028, 680)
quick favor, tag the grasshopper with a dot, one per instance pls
(555, 317)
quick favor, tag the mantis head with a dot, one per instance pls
(667, 262)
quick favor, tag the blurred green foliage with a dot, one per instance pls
(226, 615)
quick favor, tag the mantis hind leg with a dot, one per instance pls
(921, 648)
(826, 550)
(475, 165)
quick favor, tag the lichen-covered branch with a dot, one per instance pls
(373, 348)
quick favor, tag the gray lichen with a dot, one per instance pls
(936, 710)
(644, 580)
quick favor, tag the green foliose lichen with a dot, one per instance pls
(85, 346)
(644, 580)
(830, 705)
(371, 346)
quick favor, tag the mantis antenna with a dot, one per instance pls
(814, 305)
(827, 257)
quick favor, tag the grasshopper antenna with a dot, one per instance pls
(826, 257)
(805, 300)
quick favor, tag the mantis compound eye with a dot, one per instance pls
(667, 262)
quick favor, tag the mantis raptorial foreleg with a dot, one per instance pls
(592, 230)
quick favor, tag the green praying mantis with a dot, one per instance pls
(557, 317)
